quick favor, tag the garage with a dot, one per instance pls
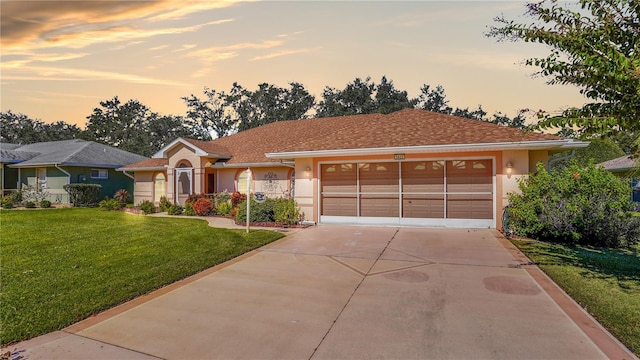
(448, 193)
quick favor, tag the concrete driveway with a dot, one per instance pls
(338, 292)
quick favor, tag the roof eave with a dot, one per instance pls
(155, 168)
(563, 144)
(249, 165)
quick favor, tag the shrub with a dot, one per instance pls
(203, 206)
(237, 198)
(174, 210)
(45, 204)
(17, 197)
(30, 204)
(165, 204)
(147, 207)
(109, 204)
(286, 211)
(34, 194)
(194, 197)
(122, 196)
(260, 212)
(188, 210)
(224, 208)
(8, 201)
(576, 205)
(83, 195)
(222, 197)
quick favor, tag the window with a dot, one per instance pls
(159, 187)
(99, 173)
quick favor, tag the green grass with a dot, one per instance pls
(61, 266)
(603, 281)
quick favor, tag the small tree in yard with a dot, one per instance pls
(577, 205)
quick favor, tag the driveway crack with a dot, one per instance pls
(353, 293)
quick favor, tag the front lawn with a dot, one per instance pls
(605, 282)
(61, 266)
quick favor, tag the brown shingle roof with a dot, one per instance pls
(409, 127)
(149, 163)
(209, 146)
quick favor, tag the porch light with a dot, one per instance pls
(509, 168)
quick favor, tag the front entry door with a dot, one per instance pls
(184, 185)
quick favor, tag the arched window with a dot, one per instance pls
(243, 177)
(159, 187)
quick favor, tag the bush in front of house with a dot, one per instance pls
(222, 197)
(165, 204)
(83, 195)
(110, 204)
(224, 208)
(188, 210)
(259, 212)
(8, 201)
(203, 206)
(45, 204)
(237, 198)
(35, 194)
(576, 205)
(30, 204)
(147, 207)
(174, 210)
(122, 197)
(286, 211)
(195, 197)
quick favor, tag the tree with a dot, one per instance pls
(434, 100)
(20, 129)
(267, 104)
(388, 99)
(594, 46)
(356, 98)
(363, 97)
(133, 127)
(208, 115)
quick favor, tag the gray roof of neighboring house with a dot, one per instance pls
(67, 152)
(619, 164)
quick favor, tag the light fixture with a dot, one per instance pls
(307, 169)
(509, 168)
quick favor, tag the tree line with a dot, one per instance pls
(133, 127)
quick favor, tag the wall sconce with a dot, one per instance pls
(509, 168)
(307, 169)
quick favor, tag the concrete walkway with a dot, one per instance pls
(338, 292)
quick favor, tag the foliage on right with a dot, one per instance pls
(594, 46)
(576, 205)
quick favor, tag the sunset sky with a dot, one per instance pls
(61, 58)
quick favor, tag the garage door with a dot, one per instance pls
(451, 193)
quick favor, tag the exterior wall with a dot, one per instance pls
(537, 156)
(143, 186)
(226, 180)
(306, 188)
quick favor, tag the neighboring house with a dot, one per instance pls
(51, 165)
(411, 167)
(623, 167)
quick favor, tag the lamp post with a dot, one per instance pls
(248, 196)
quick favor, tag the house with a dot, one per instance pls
(623, 167)
(411, 167)
(51, 165)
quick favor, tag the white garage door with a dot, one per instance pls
(451, 193)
